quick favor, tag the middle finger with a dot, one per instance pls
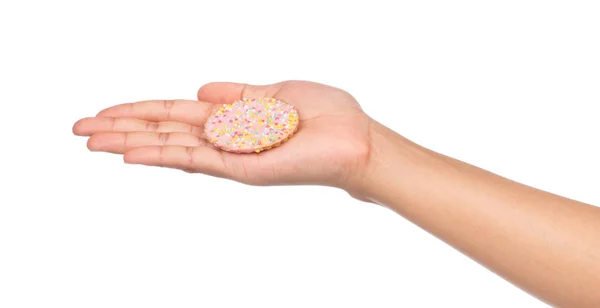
(186, 111)
(119, 143)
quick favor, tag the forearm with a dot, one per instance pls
(545, 244)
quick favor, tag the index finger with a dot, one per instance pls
(185, 111)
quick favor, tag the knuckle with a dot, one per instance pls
(161, 156)
(126, 140)
(190, 151)
(163, 138)
(168, 105)
(152, 126)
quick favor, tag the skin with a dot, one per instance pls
(544, 244)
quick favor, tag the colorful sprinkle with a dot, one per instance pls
(251, 125)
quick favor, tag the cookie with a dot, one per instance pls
(251, 125)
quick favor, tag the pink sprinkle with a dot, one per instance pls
(256, 117)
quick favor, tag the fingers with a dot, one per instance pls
(228, 92)
(90, 126)
(119, 143)
(186, 111)
(198, 159)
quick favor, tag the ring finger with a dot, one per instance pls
(119, 142)
(90, 126)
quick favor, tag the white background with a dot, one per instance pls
(510, 86)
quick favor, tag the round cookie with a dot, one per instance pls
(251, 125)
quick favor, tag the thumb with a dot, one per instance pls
(228, 92)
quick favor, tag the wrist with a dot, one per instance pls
(393, 161)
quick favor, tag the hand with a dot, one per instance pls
(485, 216)
(331, 146)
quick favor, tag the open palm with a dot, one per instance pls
(331, 146)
